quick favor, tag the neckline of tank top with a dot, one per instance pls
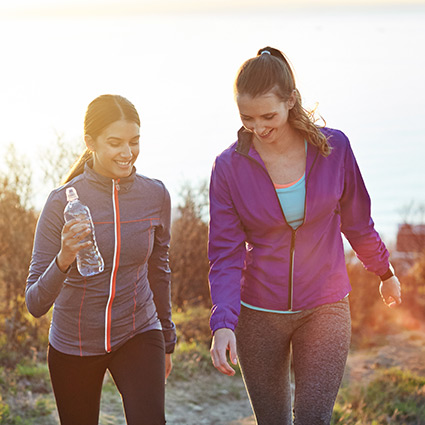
(285, 186)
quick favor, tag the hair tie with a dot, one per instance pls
(265, 52)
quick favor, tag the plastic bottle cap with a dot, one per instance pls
(71, 194)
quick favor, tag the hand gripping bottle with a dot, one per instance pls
(89, 259)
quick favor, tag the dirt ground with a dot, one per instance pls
(222, 400)
(405, 351)
(215, 399)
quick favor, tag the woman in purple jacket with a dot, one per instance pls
(279, 199)
(120, 319)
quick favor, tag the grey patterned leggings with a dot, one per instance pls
(320, 340)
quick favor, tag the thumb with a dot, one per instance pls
(232, 351)
(397, 298)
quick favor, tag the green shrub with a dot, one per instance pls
(190, 359)
(4, 411)
(399, 394)
(192, 353)
(393, 397)
(192, 324)
(34, 376)
(32, 371)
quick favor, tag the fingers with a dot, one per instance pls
(72, 240)
(73, 233)
(391, 302)
(223, 340)
(168, 366)
(391, 292)
(232, 351)
(396, 298)
(76, 229)
(220, 362)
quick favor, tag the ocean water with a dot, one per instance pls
(362, 65)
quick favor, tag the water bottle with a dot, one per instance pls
(89, 259)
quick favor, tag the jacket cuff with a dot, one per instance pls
(389, 273)
(169, 348)
(57, 265)
(170, 338)
(221, 325)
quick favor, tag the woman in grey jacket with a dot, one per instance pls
(120, 319)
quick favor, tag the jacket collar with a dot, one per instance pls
(246, 147)
(244, 141)
(106, 183)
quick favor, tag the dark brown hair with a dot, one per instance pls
(101, 112)
(270, 71)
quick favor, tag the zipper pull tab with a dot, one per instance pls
(117, 184)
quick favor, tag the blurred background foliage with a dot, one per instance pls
(23, 339)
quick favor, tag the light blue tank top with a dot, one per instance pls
(291, 199)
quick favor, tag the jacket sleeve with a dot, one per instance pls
(226, 252)
(159, 274)
(356, 222)
(45, 279)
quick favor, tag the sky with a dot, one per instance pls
(89, 7)
(176, 61)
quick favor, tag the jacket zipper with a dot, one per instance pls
(291, 269)
(293, 231)
(115, 264)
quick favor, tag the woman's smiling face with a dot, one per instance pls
(265, 115)
(116, 149)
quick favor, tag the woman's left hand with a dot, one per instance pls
(390, 291)
(168, 365)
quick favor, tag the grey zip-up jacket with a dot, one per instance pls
(97, 314)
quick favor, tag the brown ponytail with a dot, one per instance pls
(78, 166)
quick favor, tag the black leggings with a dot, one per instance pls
(138, 369)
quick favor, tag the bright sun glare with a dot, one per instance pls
(32, 8)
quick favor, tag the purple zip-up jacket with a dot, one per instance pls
(257, 257)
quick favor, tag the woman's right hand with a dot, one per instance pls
(390, 291)
(73, 232)
(224, 339)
